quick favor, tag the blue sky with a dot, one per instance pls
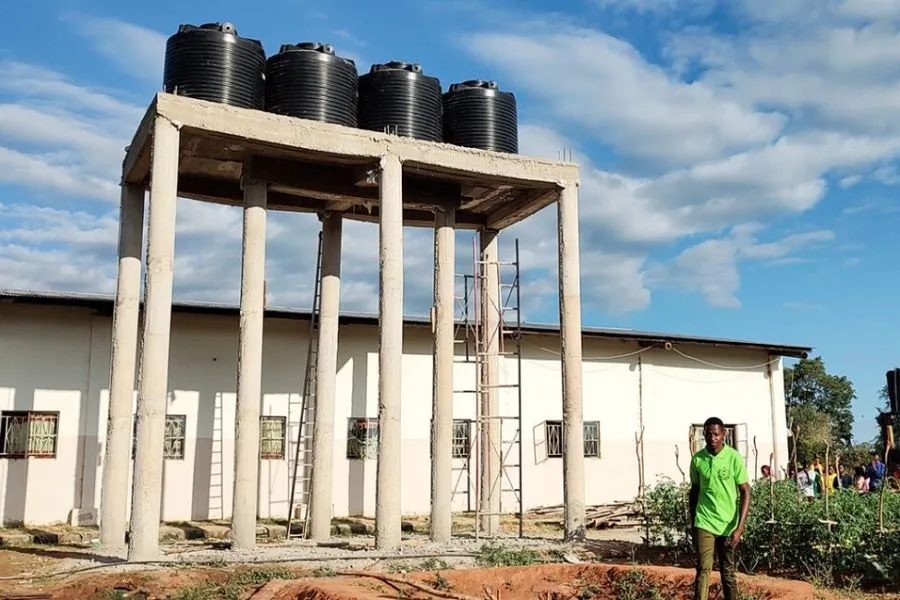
(739, 159)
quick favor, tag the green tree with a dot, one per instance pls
(809, 384)
(813, 429)
(878, 442)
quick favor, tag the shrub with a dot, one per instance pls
(799, 541)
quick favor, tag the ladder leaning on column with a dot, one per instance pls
(301, 415)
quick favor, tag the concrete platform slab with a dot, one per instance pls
(314, 167)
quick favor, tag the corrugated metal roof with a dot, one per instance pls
(104, 303)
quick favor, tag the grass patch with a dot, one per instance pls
(493, 555)
(233, 588)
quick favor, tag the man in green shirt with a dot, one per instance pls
(718, 477)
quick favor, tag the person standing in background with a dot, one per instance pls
(876, 472)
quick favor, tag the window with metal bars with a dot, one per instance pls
(271, 437)
(362, 438)
(173, 440)
(28, 434)
(173, 437)
(553, 433)
(462, 438)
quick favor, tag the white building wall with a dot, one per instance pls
(58, 359)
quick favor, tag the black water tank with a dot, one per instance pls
(308, 81)
(478, 115)
(211, 62)
(399, 98)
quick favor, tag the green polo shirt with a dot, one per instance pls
(718, 477)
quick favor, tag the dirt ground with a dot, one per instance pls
(611, 567)
(547, 582)
(278, 582)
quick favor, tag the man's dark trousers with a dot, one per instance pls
(707, 546)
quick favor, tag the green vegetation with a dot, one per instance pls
(493, 555)
(429, 564)
(819, 406)
(233, 588)
(799, 543)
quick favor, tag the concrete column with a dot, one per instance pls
(117, 454)
(143, 543)
(442, 392)
(390, 353)
(326, 374)
(249, 376)
(570, 340)
(491, 450)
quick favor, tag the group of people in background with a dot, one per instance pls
(816, 479)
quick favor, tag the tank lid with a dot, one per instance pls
(475, 83)
(307, 46)
(223, 27)
(397, 65)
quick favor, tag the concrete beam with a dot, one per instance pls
(513, 212)
(491, 446)
(347, 143)
(250, 358)
(154, 381)
(390, 354)
(570, 340)
(442, 393)
(340, 183)
(117, 454)
(326, 376)
(223, 191)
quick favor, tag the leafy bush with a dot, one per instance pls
(798, 542)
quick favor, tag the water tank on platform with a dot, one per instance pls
(211, 62)
(478, 115)
(399, 98)
(309, 81)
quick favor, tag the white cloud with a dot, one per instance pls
(146, 48)
(691, 8)
(711, 267)
(602, 83)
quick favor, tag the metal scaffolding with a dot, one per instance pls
(469, 439)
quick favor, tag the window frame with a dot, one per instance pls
(50, 415)
(283, 439)
(183, 419)
(558, 424)
(462, 451)
(359, 449)
(165, 422)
